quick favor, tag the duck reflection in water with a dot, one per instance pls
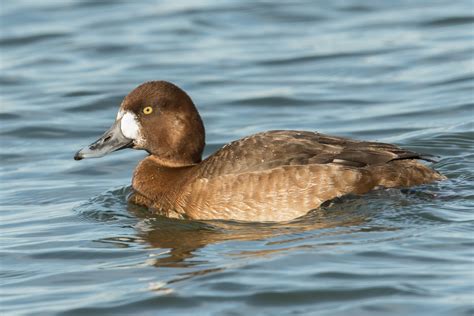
(183, 238)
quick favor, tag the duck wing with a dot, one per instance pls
(273, 149)
(281, 175)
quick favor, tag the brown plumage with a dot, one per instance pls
(270, 176)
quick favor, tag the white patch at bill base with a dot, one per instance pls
(129, 126)
(120, 114)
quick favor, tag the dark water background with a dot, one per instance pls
(396, 71)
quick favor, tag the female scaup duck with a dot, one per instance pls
(270, 176)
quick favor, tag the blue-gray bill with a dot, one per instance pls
(112, 140)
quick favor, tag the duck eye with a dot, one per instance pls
(147, 110)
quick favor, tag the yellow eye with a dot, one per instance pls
(147, 110)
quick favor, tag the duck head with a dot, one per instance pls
(158, 117)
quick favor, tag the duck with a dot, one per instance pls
(272, 176)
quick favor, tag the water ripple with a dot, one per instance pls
(449, 21)
(393, 71)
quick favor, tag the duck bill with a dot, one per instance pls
(111, 141)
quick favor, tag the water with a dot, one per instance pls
(395, 71)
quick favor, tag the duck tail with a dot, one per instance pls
(405, 173)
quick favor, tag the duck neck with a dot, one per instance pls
(160, 182)
(164, 162)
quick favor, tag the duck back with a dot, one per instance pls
(281, 175)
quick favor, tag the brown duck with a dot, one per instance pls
(269, 176)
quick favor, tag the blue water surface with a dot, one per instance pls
(395, 71)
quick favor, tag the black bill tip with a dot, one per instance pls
(78, 156)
